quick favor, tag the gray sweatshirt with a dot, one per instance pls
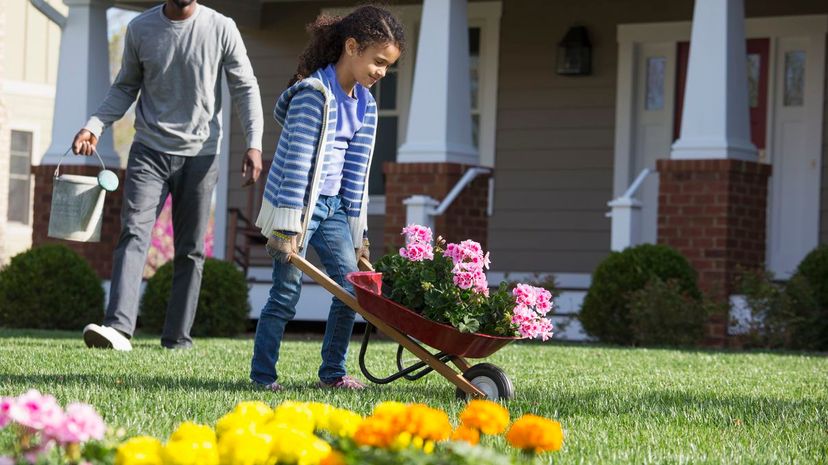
(176, 65)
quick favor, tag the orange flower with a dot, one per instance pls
(334, 458)
(428, 423)
(486, 416)
(537, 434)
(465, 433)
(376, 432)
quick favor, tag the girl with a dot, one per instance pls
(329, 121)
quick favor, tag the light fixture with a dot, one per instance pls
(575, 53)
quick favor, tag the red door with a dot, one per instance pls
(757, 71)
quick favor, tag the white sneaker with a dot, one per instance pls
(104, 337)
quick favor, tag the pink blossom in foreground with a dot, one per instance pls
(36, 411)
(5, 406)
(4, 460)
(81, 424)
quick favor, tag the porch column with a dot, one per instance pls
(712, 190)
(82, 84)
(438, 148)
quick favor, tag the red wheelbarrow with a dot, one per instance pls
(411, 331)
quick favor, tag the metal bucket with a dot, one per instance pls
(77, 206)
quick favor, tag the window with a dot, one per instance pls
(385, 148)
(19, 176)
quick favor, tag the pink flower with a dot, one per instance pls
(36, 411)
(529, 314)
(5, 406)
(417, 252)
(417, 233)
(6, 460)
(80, 424)
(463, 280)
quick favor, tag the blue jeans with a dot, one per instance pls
(330, 237)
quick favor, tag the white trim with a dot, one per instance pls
(35, 129)
(223, 184)
(563, 280)
(28, 89)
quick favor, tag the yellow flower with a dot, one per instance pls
(393, 412)
(343, 423)
(244, 447)
(402, 441)
(191, 444)
(245, 415)
(485, 416)
(321, 413)
(534, 433)
(295, 414)
(466, 433)
(140, 450)
(293, 446)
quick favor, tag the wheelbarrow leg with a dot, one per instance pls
(325, 281)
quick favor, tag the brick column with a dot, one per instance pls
(713, 212)
(465, 218)
(98, 254)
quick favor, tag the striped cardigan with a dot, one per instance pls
(301, 159)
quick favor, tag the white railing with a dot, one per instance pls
(422, 209)
(626, 216)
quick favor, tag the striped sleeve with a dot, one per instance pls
(303, 127)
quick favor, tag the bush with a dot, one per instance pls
(662, 315)
(792, 314)
(814, 269)
(50, 287)
(605, 313)
(223, 308)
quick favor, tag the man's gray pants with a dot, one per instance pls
(150, 177)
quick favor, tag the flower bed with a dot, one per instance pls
(447, 283)
(302, 433)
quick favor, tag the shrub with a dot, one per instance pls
(605, 312)
(814, 269)
(790, 314)
(222, 307)
(50, 287)
(662, 315)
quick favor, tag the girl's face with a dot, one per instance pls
(370, 65)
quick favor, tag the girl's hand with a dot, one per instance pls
(281, 246)
(364, 251)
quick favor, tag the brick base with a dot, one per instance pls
(465, 218)
(713, 212)
(98, 254)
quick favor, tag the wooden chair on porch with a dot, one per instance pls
(245, 242)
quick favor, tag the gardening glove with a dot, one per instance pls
(364, 251)
(281, 245)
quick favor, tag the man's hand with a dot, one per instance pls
(85, 142)
(364, 251)
(251, 166)
(280, 246)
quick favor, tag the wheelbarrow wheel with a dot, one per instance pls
(491, 380)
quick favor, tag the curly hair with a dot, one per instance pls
(368, 25)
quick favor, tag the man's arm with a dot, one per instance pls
(244, 90)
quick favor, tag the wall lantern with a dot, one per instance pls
(575, 53)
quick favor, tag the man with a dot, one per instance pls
(173, 54)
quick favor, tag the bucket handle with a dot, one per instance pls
(57, 168)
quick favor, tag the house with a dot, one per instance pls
(28, 69)
(715, 107)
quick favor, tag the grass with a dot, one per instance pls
(631, 406)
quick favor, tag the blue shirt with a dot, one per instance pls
(350, 114)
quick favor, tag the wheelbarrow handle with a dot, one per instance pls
(364, 265)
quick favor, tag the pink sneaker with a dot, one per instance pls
(345, 382)
(273, 387)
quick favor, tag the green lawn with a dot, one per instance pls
(631, 406)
